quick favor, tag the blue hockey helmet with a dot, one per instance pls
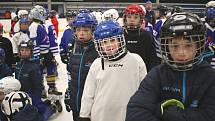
(105, 32)
(210, 13)
(2, 55)
(210, 16)
(85, 20)
(24, 21)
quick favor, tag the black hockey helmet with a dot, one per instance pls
(162, 9)
(189, 26)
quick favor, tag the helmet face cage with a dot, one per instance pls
(199, 40)
(188, 26)
(14, 102)
(115, 52)
(133, 10)
(38, 13)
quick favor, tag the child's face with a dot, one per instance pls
(25, 52)
(182, 50)
(24, 26)
(133, 19)
(110, 46)
(84, 34)
(70, 20)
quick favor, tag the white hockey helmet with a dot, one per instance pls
(210, 4)
(14, 102)
(111, 14)
(9, 84)
(38, 12)
(98, 16)
(22, 13)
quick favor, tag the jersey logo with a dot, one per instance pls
(179, 17)
(116, 65)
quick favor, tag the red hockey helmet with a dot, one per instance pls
(134, 9)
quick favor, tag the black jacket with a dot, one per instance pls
(78, 67)
(29, 74)
(6, 44)
(142, 43)
(29, 113)
(163, 83)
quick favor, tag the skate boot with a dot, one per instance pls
(58, 105)
(53, 91)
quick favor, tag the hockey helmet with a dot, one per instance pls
(189, 26)
(105, 32)
(15, 102)
(9, 84)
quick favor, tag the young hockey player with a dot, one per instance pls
(21, 35)
(81, 57)
(7, 85)
(5, 70)
(161, 18)
(210, 24)
(6, 44)
(17, 106)
(28, 72)
(42, 44)
(138, 40)
(182, 88)
(50, 64)
(54, 20)
(22, 14)
(68, 37)
(113, 78)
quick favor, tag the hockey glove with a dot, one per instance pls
(171, 102)
(67, 100)
(64, 58)
(173, 113)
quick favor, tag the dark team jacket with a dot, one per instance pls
(29, 74)
(6, 44)
(78, 66)
(142, 43)
(196, 91)
(5, 70)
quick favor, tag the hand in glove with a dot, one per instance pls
(173, 113)
(67, 100)
(171, 102)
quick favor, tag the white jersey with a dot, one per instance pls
(107, 92)
(16, 27)
(17, 39)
